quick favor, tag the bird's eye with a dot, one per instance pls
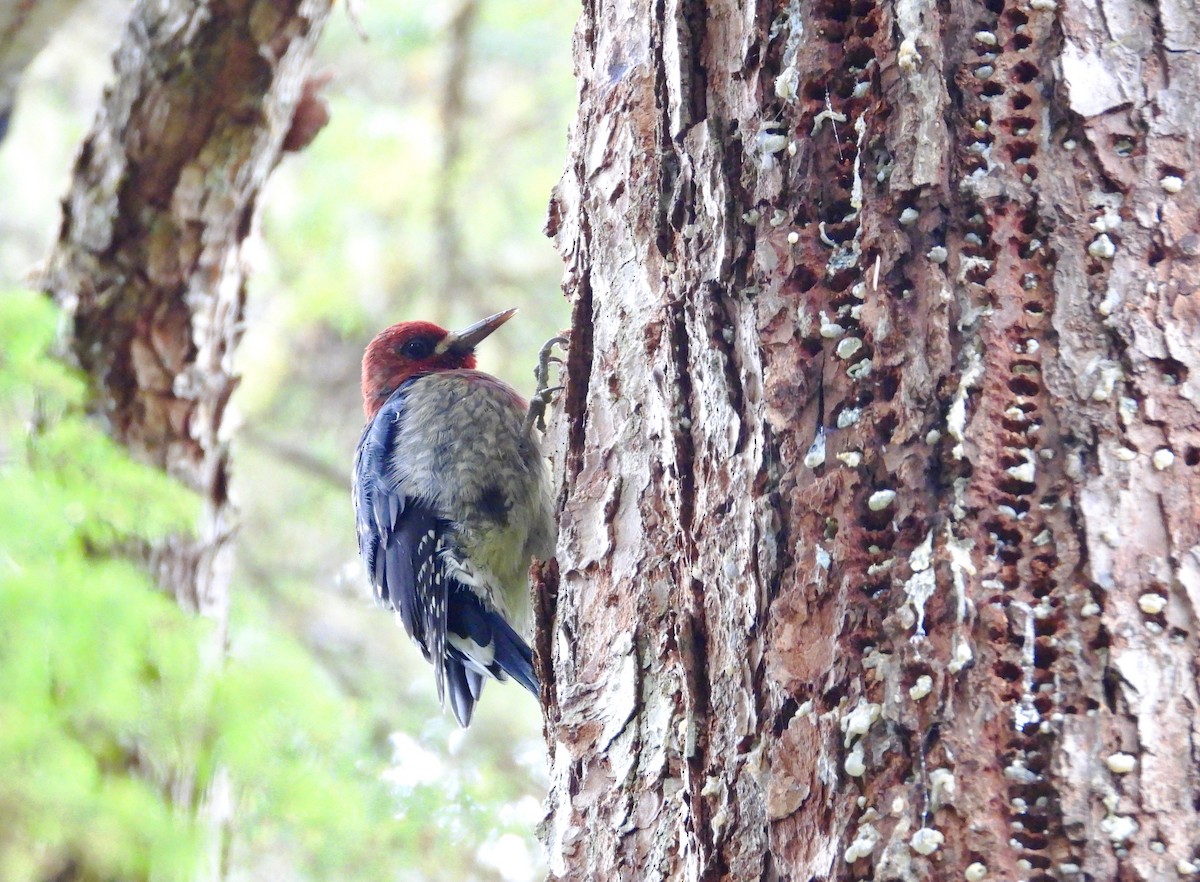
(417, 348)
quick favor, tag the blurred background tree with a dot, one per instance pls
(423, 197)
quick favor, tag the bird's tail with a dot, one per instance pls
(514, 656)
(480, 642)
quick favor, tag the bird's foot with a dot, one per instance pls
(545, 392)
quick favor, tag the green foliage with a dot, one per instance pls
(95, 663)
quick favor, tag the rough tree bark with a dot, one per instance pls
(148, 265)
(879, 552)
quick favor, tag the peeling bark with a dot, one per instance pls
(878, 555)
(148, 264)
(148, 268)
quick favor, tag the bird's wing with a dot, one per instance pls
(411, 561)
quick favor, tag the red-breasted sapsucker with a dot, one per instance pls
(452, 500)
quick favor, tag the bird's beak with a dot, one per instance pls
(462, 342)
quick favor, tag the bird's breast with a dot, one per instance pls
(462, 444)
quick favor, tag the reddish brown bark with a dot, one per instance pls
(878, 552)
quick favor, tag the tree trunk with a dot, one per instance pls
(148, 258)
(879, 552)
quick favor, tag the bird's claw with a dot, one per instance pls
(545, 392)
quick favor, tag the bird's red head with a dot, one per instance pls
(410, 349)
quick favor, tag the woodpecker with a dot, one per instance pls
(452, 499)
